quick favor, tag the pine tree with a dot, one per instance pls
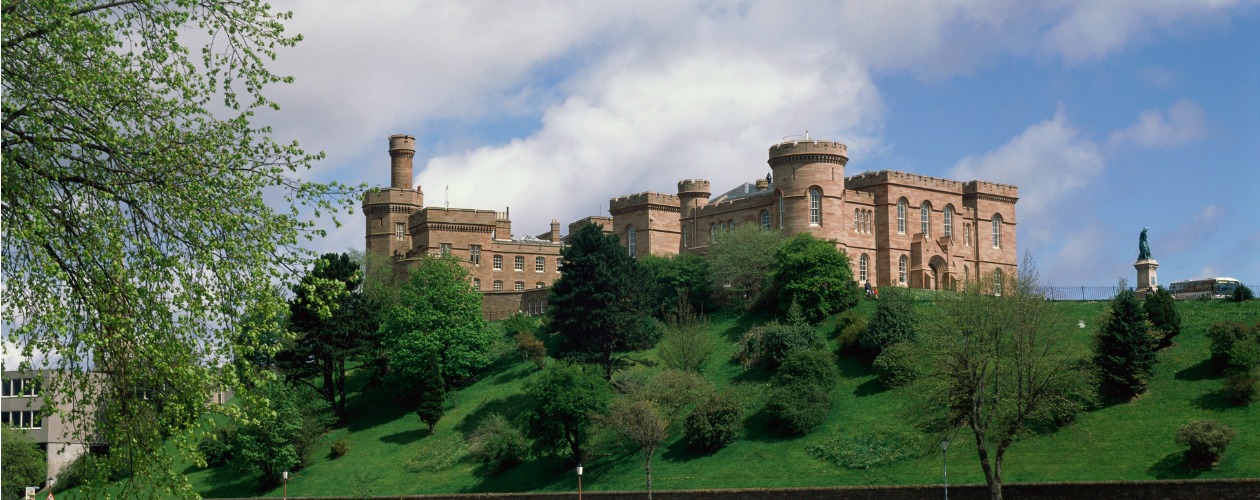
(1123, 351)
(1161, 311)
(432, 394)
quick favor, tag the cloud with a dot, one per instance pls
(1092, 30)
(1183, 122)
(1194, 232)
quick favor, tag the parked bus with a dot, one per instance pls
(1216, 288)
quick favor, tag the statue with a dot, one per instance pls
(1144, 248)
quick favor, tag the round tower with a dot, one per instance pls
(402, 149)
(801, 164)
(692, 194)
(388, 210)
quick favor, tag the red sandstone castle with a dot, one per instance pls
(898, 229)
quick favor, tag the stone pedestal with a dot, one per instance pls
(1146, 281)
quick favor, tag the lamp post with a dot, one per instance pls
(579, 473)
(285, 476)
(945, 464)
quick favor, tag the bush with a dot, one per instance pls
(687, 344)
(715, 423)
(893, 322)
(1161, 311)
(897, 365)
(216, 447)
(1206, 440)
(770, 344)
(868, 449)
(672, 390)
(497, 443)
(796, 409)
(1243, 293)
(339, 448)
(1223, 337)
(848, 331)
(520, 322)
(531, 349)
(1242, 388)
(814, 367)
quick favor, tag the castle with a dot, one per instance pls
(906, 229)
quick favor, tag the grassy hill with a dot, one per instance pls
(391, 453)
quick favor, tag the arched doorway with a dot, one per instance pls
(937, 272)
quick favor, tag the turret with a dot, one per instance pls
(802, 164)
(387, 210)
(402, 149)
(692, 194)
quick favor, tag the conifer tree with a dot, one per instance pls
(1123, 351)
(1161, 311)
(432, 394)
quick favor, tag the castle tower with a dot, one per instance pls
(799, 166)
(387, 210)
(692, 194)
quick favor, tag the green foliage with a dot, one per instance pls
(742, 262)
(1161, 311)
(599, 304)
(893, 322)
(848, 330)
(438, 314)
(88, 470)
(520, 322)
(897, 365)
(869, 449)
(339, 448)
(1123, 350)
(284, 425)
(1242, 388)
(812, 273)
(641, 423)
(565, 398)
(714, 423)
(531, 349)
(675, 278)
(1242, 293)
(1235, 347)
(22, 462)
(216, 447)
(796, 409)
(432, 394)
(1206, 439)
(686, 344)
(672, 390)
(771, 343)
(498, 444)
(815, 367)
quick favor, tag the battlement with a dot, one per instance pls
(803, 145)
(393, 196)
(693, 186)
(454, 216)
(644, 198)
(862, 197)
(991, 188)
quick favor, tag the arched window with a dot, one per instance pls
(902, 264)
(870, 221)
(712, 232)
(857, 220)
(781, 211)
(815, 207)
(630, 240)
(686, 235)
(949, 221)
(925, 219)
(997, 281)
(966, 274)
(765, 219)
(997, 231)
(863, 261)
(901, 216)
(967, 234)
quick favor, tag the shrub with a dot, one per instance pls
(1243, 293)
(796, 409)
(769, 344)
(848, 331)
(1244, 355)
(531, 349)
(715, 423)
(1206, 440)
(1161, 311)
(897, 365)
(1242, 388)
(868, 449)
(687, 344)
(339, 448)
(813, 366)
(673, 390)
(1223, 337)
(893, 322)
(497, 443)
(520, 322)
(216, 447)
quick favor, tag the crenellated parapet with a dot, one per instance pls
(806, 150)
(659, 201)
(871, 179)
(694, 186)
(991, 191)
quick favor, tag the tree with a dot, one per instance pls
(813, 274)
(642, 423)
(152, 209)
(1161, 311)
(1205, 440)
(1000, 364)
(598, 305)
(687, 344)
(432, 394)
(715, 423)
(893, 322)
(566, 399)
(741, 262)
(1123, 349)
(284, 424)
(676, 278)
(22, 461)
(437, 314)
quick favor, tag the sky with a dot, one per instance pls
(1110, 116)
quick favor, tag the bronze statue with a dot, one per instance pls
(1144, 248)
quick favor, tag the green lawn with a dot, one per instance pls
(391, 453)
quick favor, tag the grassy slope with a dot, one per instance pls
(393, 455)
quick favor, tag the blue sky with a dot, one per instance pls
(1110, 116)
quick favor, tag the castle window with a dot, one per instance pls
(901, 216)
(966, 274)
(862, 266)
(539, 284)
(518, 286)
(477, 284)
(967, 234)
(519, 263)
(630, 240)
(765, 219)
(857, 220)
(730, 224)
(815, 207)
(498, 262)
(474, 254)
(902, 264)
(445, 248)
(997, 281)
(997, 231)
(925, 219)
(949, 221)
(400, 230)
(712, 232)
(781, 226)
(686, 235)
(540, 264)
(498, 285)
(866, 221)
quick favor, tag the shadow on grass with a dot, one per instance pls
(852, 366)
(507, 374)
(512, 408)
(406, 437)
(1205, 370)
(754, 375)
(1214, 400)
(1173, 466)
(678, 451)
(868, 388)
(742, 324)
(227, 481)
(535, 475)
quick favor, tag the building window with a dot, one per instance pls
(781, 226)
(712, 232)
(857, 220)
(866, 221)
(949, 221)
(519, 286)
(730, 225)
(477, 284)
(815, 207)
(19, 387)
(902, 264)
(686, 235)
(498, 285)
(997, 281)
(997, 231)
(925, 219)
(24, 419)
(559, 263)
(765, 219)
(540, 264)
(400, 230)
(630, 240)
(445, 249)
(498, 262)
(967, 234)
(966, 274)
(539, 285)
(901, 216)
(862, 263)
(474, 254)
(519, 263)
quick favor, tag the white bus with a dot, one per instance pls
(1216, 288)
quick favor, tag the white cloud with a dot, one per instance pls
(1091, 30)
(1183, 122)
(1192, 233)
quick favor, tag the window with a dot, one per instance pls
(857, 220)
(862, 263)
(997, 231)
(901, 216)
(967, 234)
(18, 387)
(519, 263)
(966, 274)
(540, 264)
(540, 285)
(474, 254)
(815, 207)
(630, 240)
(730, 225)
(997, 281)
(477, 284)
(866, 221)
(781, 226)
(686, 235)
(712, 231)
(765, 219)
(498, 262)
(518, 286)
(925, 219)
(559, 263)
(24, 419)
(445, 249)
(902, 263)
(498, 285)
(949, 221)
(400, 230)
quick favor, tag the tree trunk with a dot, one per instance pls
(329, 394)
(648, 467)
(341, 388)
